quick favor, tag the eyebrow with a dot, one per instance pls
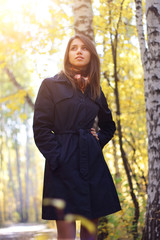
(77, 45)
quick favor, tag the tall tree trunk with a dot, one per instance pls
(83, 18)
(11, 183)
(19, 180)
(27, 180)
(151, 64)
(34, 192)
(1, 173)
(116, 166)
(114, 46)
(3, 213)
(2, 207)
(125, 161)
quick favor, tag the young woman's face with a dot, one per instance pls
(79, 56)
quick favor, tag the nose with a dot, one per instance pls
(79, 51)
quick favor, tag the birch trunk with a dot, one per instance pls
(83, 18)
(11, 184)
(20, 207)
(1, 170)
(2, 202)
(151, 63)
(27, 180)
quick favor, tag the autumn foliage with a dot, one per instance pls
(31, 48)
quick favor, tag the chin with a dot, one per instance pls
(80, 65)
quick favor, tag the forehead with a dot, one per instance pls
(77, 41)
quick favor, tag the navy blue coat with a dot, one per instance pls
(75, 169)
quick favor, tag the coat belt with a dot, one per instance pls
(83, 147)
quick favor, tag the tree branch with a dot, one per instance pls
(18, 86)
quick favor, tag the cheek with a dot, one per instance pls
(70, 57)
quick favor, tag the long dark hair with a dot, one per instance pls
(93, 67)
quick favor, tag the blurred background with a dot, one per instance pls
(33, 38)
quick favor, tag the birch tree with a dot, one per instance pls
(83, 18)
(150, 56)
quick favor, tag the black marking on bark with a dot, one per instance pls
(154, 10)
(79, 7)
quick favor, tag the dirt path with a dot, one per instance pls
(27, 232)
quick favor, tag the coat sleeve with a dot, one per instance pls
(105, 122)
(43, 126)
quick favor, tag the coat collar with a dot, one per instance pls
(61, 78)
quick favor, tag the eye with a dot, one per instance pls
(85, 48)
(73, 48)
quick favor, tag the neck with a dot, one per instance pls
(78, 70)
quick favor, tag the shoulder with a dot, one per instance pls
(101, 100)
(59, 78)
(58, 86)
(50, 80)
(101, 96)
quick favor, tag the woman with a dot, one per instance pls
(75, 170)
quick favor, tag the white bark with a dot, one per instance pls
(27, 179)
(153, 117)
(151, 64)
(83, 18)
(140, 29)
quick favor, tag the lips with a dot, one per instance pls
(79, 58)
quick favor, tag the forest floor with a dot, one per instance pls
(26, 231)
